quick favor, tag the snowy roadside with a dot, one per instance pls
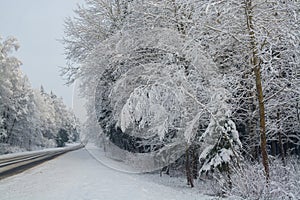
(178, 183)
(78, 176)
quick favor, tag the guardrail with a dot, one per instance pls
(10, 163)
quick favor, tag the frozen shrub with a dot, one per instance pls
(250, 183)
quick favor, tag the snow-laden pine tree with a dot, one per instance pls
(220, 142)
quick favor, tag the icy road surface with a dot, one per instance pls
(78, 176)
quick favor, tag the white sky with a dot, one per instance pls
(38, 25)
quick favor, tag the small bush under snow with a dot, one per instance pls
(250, 182)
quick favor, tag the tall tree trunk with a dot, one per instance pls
(257, 66)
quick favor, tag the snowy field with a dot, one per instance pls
(79, 176)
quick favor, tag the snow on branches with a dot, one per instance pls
(152, 68)
(221, 138)
(29, 119)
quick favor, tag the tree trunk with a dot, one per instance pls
(9, 132)
(297, 111)
(257, 66)
(273, 147)
(195, 160)
(280, 139)
(253, 129)
(189, 175)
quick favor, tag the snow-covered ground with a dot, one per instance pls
(78, 175)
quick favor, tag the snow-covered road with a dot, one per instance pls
(76, 175)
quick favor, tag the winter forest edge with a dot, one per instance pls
(30, 119)
(220, 77)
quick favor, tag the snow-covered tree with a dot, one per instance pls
(221, 138)
(28, 119)
(160, 72)
(55, 118)
(249, 41)
(24, 108)
(94, 23)
(9, 77)
(149, 77)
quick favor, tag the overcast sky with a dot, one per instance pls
(38, 25)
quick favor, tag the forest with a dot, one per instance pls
(220, 77)
(30, 119)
